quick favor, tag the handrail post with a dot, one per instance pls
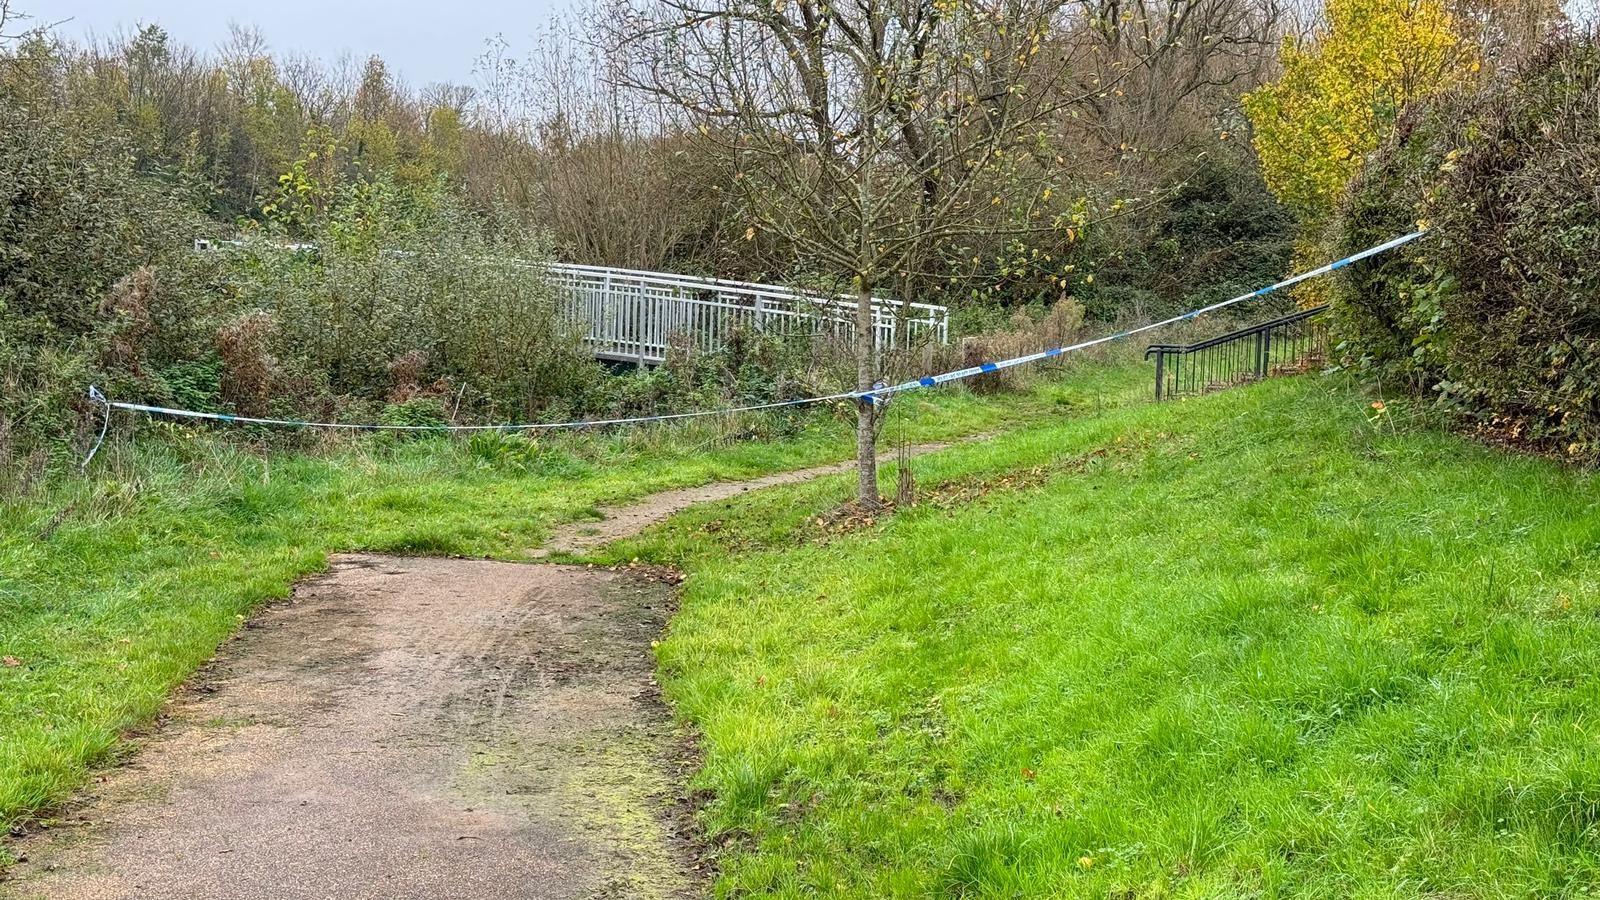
(640, 324)
(1161, 377)
(607, 309)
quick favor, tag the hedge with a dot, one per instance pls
(1497, 312)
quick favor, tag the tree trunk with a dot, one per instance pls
(866, 411)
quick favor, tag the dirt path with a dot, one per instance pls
(627, 521)
(408, 728)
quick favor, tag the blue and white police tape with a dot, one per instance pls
(983, 368)
(867, 395)
(529, 426)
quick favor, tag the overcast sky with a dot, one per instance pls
(424, 41)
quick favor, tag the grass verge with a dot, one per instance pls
(1259, 644)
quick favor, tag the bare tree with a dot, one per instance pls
(608, 172)
(1506, 32)
(866, 135)
(11, 17)
(1186, 61)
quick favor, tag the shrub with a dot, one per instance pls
(1496, 310)
(407, 292)
(1215, 234)
(410, 296)
(424, 412)
(1057, 326)
(1385, 308)
(96, 278)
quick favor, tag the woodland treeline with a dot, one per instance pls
(1021, 160)
(1150, 118)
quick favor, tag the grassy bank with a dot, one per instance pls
(114, 587)
(1265, 643)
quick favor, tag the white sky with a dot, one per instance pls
(422, 42)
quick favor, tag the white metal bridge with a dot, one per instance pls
(629, 315)
(638, 316)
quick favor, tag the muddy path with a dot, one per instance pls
(406, 727)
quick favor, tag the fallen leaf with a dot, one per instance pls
(10, 661)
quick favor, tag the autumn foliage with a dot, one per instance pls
(1340, 94)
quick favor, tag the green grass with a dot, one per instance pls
(1251, 645)
(161, 552)
(1257, 644)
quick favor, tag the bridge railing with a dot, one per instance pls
(1287, 344)
(637, 315)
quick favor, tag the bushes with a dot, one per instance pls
(1498, 311)
(1518, 221)
(1219, 235)
(1211, 231)
(410, 296)
(95, 277)
(406, 306)
(1205, 231)
(1385, 308)
(407, 294)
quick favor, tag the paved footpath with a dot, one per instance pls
(400, 728)
(407, 728)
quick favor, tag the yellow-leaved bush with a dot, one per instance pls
(1337, 101)
(1340, 93)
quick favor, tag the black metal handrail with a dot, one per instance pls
(1290, 343)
